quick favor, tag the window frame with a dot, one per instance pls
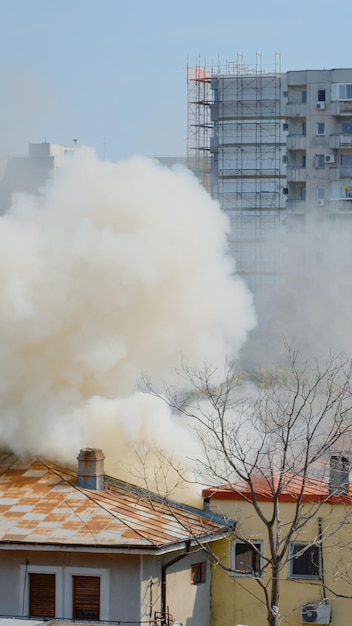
(308, 546)
(338, 88)
(24, 586)
(320, 193)
(103, 574)
(318, 133)
(250, 574)
(319, 162)
(64, 588)
(198, 573)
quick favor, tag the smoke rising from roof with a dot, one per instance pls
(116, 269)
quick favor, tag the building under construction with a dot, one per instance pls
(237, 146)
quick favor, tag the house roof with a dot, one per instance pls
(41, 505)
(314, 490)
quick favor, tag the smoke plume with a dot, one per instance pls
(114, 270)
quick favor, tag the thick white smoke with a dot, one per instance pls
(115, 270)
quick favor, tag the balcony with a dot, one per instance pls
(296, 206)
(296, 110)
(341, 205)
(296, 174)
(340, 173)
(340, 141)
(296, 142)
(341, 108)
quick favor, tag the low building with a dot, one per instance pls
(315, 577)
(85, 546)
(29, 174)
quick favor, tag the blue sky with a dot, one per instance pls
(112, 73)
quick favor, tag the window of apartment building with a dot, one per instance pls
(304, 128)
(304, 96)
(320, 128)
(246, 559)
(302, 193)
(304, 160)
(341, 91)
(346, 160)
(321, 95)
(320, 195)
(86, 597)
(198, 573)
(42, 591)
(305, 561)
(319, 161)
(346, 128)
(346, 166)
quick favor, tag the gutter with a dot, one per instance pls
(156, 550)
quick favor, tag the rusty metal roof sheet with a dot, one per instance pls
(41, 503)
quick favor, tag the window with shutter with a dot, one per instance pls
(86, 597)
(41, 595)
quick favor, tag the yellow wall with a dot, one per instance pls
(240, 600)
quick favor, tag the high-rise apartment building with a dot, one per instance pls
(275, 149)
(319, 146)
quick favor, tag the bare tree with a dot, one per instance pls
(269, 437)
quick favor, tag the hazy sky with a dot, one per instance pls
(112, 73)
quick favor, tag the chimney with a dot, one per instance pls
(91, 468)
(339, 475)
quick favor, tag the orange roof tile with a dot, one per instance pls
(314, 490)
(41, 503)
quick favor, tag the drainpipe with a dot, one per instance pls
(163, 575)
(320, 522)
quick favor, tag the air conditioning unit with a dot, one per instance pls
(321, 105)
(329, 158)
(320, 202)
(315, 613)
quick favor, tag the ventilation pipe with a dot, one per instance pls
(91, 468)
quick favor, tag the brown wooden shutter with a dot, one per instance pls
(41, 595)
(86, 597)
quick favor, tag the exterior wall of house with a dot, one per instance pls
(130, 585)
(240, 600)
(120, 581)
(187, 601)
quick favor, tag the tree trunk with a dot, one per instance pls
(273, 609)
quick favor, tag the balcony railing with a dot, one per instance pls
(340, 140)
(296, 174)
(296, 142)
(341, 108)
(296, 206)
(296, 110)
(340, 173)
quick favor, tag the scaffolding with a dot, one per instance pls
(236, 144)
